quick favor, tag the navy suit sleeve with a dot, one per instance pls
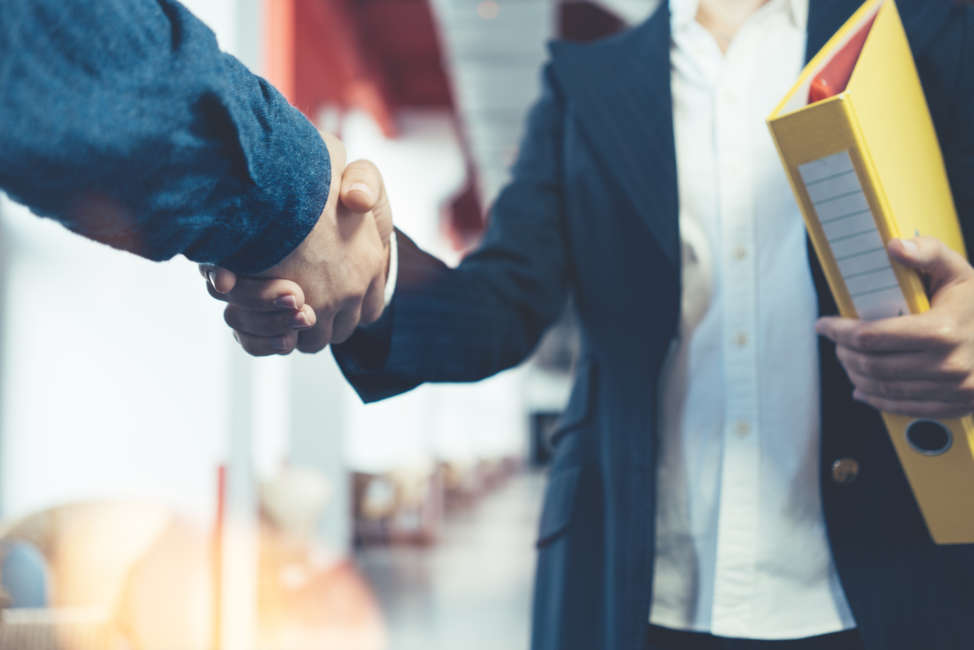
(124, 121)
(464, 324)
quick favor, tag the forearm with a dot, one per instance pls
(124, 121)
(451, 325)
(487, 315)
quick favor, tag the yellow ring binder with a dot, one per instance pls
(866, 167)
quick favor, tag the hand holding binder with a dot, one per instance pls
(918, 364)
(866, 168)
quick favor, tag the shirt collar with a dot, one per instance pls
(683, 12)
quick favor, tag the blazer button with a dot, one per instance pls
(845, 471)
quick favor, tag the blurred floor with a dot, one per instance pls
(472, 590)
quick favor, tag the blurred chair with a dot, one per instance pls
(23, 576)
(136, 576)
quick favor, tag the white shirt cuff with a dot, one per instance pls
(393, 275)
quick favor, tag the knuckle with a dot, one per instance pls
(311, 348)
(331, 307)
(954, 368)
(348, 300)
(892, 391)
(945, 332)
(249, 347)
(353, 305)
(842, 354)
(965, 390)
(266, 293)
(377, 256)
(283, 321)
(214, 294)
(286, 344)
(861, 340)
(371, 313)
(313, 340)
(230, 317)
(866, 366)
(881, 389)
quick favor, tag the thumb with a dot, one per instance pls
(363, 190)
(933, 259)
(222, 280)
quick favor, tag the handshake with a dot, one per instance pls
(334, 281)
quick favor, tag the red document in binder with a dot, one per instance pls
(835, 75)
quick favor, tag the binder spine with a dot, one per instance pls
(865, 167)
(850, 221)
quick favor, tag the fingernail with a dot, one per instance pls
(363, 188)
(288, 302)
(300, 321)
(910, 246)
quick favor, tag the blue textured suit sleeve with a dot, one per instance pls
(124, 121)
(464, 324)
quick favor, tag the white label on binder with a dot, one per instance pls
(841, 207)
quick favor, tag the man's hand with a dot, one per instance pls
(330, 284)
(922, 364)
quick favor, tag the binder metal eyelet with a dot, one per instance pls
(929, 437)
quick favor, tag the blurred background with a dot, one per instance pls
(159, 490)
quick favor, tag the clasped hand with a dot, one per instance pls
(332, 283)
(920, 365)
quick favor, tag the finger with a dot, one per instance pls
(346, 322)
(318, 337)
(222, 297)
(268, 323)
(361, 186)
(265, 294)
(914, 408)
(221, 279)
(914, 332)
(931, 257)
(363, 190)
(374, 302)
(912, 389)
(897, 366)
(262, 346)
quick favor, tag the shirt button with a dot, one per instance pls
(740, 339)
(845, 471)
(742, 428)
(740, 253)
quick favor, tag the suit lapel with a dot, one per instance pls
(620, 92)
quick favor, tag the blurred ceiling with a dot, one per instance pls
(480, 59)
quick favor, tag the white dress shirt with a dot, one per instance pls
(741, 549)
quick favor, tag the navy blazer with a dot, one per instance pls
(123, 120)
(592, 211)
